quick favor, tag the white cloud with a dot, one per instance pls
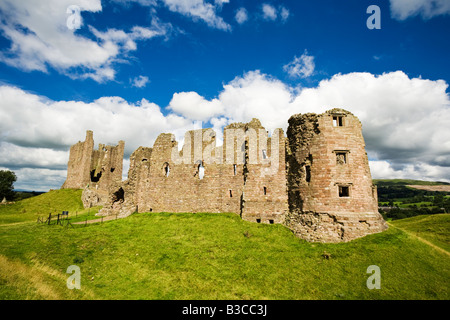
(38, 179)
(36, 122)
(427, 9)
(199, 9)
(284, 13)
(40, 38)
(193, 106)
(269, 12)
(300, 67)
(139, 82)
(241, 15)
(405, 120)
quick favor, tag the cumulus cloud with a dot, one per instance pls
(139, 82)
(193, 106)
(300, 67)
(427, 9)
(40, 38)
(270, 13)
(200, 10)
(241, 15)
(405, 120)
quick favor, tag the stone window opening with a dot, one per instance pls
(271, 221)
(338, 121)
(231, 193)
(264, 154)
(112, 169)
(95, 177)
(258, 220)
(308, 173)
(166, 169)
(341, 157)
(344, 191)
(265, 190)
(118, 196)
(234, 169)
(200, 170)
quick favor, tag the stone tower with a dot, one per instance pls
(330, 190)
(80, 158)
(91, 169)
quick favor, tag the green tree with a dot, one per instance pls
(7, 179)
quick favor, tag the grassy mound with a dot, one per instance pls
(211, 256)
(54, 202)
(433, 228)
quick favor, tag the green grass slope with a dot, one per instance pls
(54, 202)
(210, 256)
(433, 228)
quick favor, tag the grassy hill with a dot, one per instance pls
(54, 201)
(212, 256)
(404, 182)
(433, 228)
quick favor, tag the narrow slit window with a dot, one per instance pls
(166, 168)
(231, 194)
(234, 169)
(344, 191)
(201, 171)
(308, 173)
(265, 190)
(264, 154)
(338, 121)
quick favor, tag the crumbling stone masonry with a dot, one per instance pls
(95, 171)
(316, 181)
(330, 190)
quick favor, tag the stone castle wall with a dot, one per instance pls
(316, 180)
(205, 178)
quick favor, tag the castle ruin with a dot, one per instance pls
(316, 181)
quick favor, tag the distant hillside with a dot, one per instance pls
(404, 182)
(439, 188)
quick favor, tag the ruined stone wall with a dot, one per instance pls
(78, 167)
(174, 182)
(316, 180)
(95, 171)
(331, 195)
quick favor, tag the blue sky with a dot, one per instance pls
(134, 69)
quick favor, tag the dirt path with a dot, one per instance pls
(422, 240)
